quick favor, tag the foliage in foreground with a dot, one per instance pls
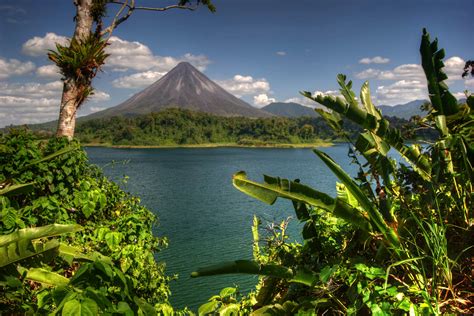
(396, 239)
(48, 191)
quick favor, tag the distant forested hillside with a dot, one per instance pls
(184, 127)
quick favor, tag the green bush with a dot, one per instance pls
(109, 264)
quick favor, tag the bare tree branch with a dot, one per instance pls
(130, 4)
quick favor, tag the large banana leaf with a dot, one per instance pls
(44, 276)
(252, 267)
(15, 189)
(381, 136)
(24, 243)
(70, 253)
(60, 152)
(432, 62)
(274, 188)
(374, 215)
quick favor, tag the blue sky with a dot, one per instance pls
(259, 50)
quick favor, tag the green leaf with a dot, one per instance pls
(246, 267)
(230, 310)
(276, 187)
(23, 243)
(208, 308)
(70, 253)
(85, 308)
(104, 268)
(46, 277)
(72, 308)
(299, 193)
(113, 239)
(16, 189)
(58, 153)
(326, 273)
(38, 232)
(228, 291)
(252, 267)
(144, 306)
(367, 102)
(124, 308)
(431, 60)
(371, 209)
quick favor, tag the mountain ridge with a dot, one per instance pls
(289, 109)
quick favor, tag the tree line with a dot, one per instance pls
(181, 127)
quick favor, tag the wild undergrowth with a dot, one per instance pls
(72, 241)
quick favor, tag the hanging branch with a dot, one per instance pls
(130, 5)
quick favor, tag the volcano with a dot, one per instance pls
(183, 87)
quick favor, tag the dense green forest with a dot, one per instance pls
(183, 127)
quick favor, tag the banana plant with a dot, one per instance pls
(378, 136)
(28, 242)
(356, 203)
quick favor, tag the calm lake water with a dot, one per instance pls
(205, 218)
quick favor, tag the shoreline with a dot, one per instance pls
(214, 145)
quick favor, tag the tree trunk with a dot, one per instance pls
(70, 97)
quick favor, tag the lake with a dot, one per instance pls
(204, 217)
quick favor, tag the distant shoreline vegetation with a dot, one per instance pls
(175, 127)
(321, 143)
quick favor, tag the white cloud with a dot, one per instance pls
(459, 95)
(262, 99)
(469, 83)
(48, 71)
(38, 46)
(245, 85)
(310, 103)
(32, 89)
(281, 53)
(453, 68)
(24, 110)
(125, 55)
(99, 96)
(303, 101)
(403, 72)
(334, 93)
(94, 109)
(34, 102)
(14, 67)
(368, 73)
(138, 80)
(402, 91)
(374, 60)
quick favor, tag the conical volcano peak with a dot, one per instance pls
(184, 68)
(184, 86)
(184, 64)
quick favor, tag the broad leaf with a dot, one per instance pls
(16, 189)
(371, 209)
(273, 188)
(46, 277)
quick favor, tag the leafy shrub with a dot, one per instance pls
(109, 264)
